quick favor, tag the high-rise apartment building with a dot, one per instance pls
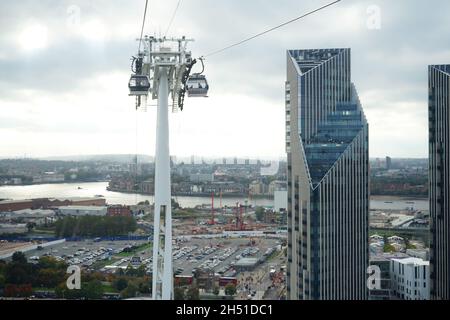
(328, 178)
(439, 175)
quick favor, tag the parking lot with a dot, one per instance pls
(218, 255)
(83, 253)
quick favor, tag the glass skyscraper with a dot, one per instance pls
(328, 178)
(439, 175)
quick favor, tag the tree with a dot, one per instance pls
(130, 291)
(93, 290)
(120, 284)
(259, 213)
(19, 257)
(89, 290)
(19, 271)
(230, 289)
(193, 293)
(216, 290)
(178, 293)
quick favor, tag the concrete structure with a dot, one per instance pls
(83, 210)
(439, 173)
(410, 279)
(280, 200)
(328, 178)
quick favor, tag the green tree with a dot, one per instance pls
(193, 293)
(19, 271)
(120, 284)
(178, 293)
(19, 257)
(216, 290)
(89, 290)
(259, 213)
(230, 289)
(130, 291)
(93, 290)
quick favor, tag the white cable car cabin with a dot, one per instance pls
(197, 86)
(138, 85)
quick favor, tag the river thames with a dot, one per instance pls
(91, 189)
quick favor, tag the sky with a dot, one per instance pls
(65, 65)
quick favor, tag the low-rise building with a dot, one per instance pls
(118, 210)
(14, 205)
(10, 228)
(38, 216)
(257, 188)
(246, 264)
(423, 254)
(410, 278)
(48, 177)
(83, 210)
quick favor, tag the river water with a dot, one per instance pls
(91, 189)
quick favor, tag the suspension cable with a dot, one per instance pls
(173, 18)
(143, 25)
(269, 30)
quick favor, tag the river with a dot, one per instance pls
(90, 189)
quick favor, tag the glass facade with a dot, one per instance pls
(439, 173)
(328, 178)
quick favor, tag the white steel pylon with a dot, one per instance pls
(160, 70)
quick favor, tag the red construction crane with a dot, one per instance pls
(212, 209)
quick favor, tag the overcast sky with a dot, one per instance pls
(64, 68)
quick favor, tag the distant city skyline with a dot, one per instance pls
(67, 68)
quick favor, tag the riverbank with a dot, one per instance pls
(91, 189)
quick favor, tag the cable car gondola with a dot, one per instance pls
(138, 85)
(197, 86)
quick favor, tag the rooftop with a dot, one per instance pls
(414, 261)
(311, 58)
(246, 262)
(93, 208)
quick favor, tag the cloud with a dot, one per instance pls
(72, 78)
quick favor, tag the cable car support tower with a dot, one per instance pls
(161, 69)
